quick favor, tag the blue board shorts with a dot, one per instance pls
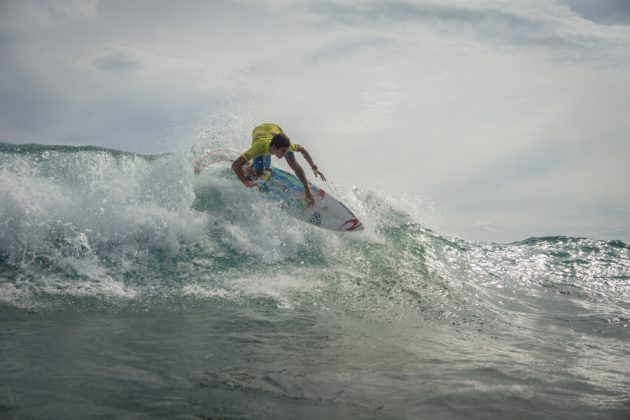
(263, 163)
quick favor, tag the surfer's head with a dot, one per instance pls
(279, 145)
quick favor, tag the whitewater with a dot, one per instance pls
(131, 287)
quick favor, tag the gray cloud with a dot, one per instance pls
(610, 12)
(117, 61)
(492, 22)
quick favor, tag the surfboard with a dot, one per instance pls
(328, 212)
(287, 191)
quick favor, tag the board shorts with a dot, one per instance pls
(263, 163)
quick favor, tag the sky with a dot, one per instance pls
(500, 120)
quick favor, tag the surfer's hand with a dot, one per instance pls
(250, 184)
(310, 201)
(318, 173)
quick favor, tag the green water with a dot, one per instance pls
(131, 288)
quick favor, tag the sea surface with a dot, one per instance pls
(132, 288)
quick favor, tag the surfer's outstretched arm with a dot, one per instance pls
(237, 167)
(299, 172)
(309, 159)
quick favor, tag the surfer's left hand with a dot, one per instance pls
(318, 173)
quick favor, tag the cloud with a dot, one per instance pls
(117, 61)
(610, 12)
(65, 10)
(535, 23)
(22, 17)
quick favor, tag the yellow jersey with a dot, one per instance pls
(261, 139)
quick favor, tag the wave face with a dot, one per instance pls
(88, 223)
(86, 226)
(91, 230)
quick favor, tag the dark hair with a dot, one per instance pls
(280, 140)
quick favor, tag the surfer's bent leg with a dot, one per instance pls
(261, 164)
(257, 165)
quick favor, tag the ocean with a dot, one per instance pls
(132, 288)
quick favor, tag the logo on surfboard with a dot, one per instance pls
(350, 225)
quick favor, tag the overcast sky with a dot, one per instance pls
(511, 117)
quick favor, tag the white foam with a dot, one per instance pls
(204, 291)
(279, 287)
(74, 211)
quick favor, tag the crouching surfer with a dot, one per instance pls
(267, 140)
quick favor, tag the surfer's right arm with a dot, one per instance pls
(237, 167)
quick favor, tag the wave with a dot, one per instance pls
(91, 227)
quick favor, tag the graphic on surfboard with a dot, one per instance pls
(287, 190)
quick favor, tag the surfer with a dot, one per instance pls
(267, 140)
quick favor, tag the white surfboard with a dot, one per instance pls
(287, 190)
(328, 212)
